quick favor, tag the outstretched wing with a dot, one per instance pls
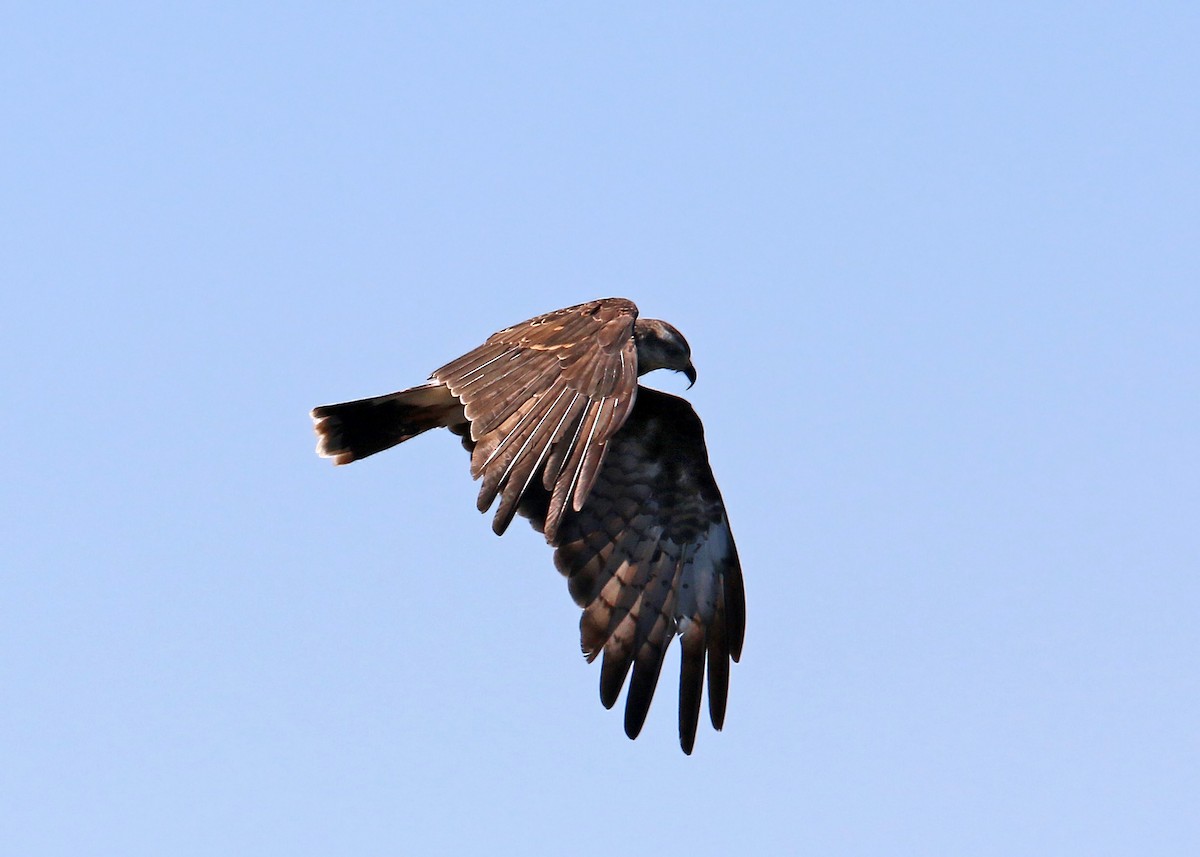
(650, 555)
(545, 397)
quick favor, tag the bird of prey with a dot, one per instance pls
(614, 474)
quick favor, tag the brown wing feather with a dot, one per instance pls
(691, 683)
(544, 397)
(650, 555)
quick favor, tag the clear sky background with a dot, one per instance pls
(939, 266)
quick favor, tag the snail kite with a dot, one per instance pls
(614, 474)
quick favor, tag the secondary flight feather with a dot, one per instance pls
(614, 474)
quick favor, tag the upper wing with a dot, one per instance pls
(546, 396)
(651, 555)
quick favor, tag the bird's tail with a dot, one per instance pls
(354, 430)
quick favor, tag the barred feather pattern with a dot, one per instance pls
(650, 556)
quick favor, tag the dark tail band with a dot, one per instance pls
(353, 430)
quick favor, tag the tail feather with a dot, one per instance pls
(353, 430)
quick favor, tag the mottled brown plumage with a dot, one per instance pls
(615, 475)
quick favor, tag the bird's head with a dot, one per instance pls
(661, 346)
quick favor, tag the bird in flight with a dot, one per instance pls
(615, 476)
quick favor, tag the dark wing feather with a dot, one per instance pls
(544, 397)
(650, 555)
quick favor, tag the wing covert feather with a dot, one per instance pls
(584, 355)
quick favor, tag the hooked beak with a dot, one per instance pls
(690, 372)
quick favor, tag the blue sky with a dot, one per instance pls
(939, 268)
